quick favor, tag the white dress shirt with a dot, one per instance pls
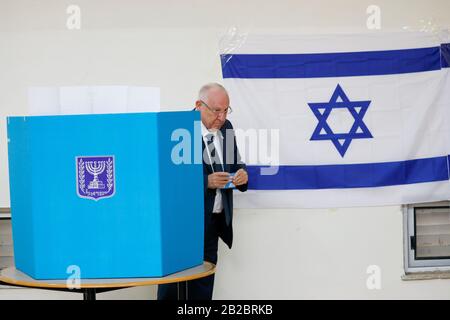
(218, 206)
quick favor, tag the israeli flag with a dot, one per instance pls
(361, 120)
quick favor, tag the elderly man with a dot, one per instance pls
(220, 158)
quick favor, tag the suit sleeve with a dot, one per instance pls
(238, 163)
(205, 182)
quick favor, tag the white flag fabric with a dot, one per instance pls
(362, 119)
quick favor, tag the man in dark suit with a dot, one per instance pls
(220, 158)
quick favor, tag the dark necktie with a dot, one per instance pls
(217, 166)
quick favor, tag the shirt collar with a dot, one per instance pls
(206, 132)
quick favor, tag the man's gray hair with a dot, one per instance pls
(203, 93)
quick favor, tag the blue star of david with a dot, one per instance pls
(340, 140)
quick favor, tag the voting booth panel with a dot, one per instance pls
(102, 194)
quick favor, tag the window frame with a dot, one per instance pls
(5, 213)
(411, 264)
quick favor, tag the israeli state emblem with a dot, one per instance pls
(95, 177)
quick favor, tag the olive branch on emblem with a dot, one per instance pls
(81, 175)
(109, 174)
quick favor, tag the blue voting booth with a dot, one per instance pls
(102, 193)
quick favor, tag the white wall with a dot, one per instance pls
(319, 254)
(174, 45)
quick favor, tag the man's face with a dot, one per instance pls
(213, 110)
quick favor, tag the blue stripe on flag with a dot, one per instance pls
(318, 65)
(350, 175)
(445, 55)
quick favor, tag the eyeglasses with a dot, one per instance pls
(217, 112)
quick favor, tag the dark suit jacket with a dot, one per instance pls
(232, 163)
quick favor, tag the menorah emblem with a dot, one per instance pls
(95, 177)
(95, 168)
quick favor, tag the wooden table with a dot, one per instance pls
(90, 287)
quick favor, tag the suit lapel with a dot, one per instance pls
(208, 167)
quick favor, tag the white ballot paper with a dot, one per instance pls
(92, 100)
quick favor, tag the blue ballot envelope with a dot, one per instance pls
(230, 184)
(102, 194)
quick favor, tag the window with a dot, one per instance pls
(6, 246)
(427, 237)
(6, 243)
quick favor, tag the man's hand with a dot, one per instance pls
(241, 177)
(218, 180)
